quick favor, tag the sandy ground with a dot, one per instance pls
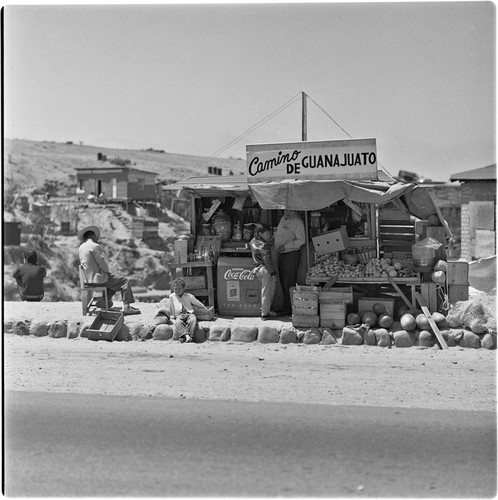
(456, 378)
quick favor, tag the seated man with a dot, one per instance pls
(29, 277)
(93, 260)
(180, 307)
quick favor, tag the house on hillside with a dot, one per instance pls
(478, 212)
(121, 184)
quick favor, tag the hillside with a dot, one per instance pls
(29, 164)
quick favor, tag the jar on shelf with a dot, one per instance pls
(222, 225)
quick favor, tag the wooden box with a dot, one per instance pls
(458, 293)
(105, 326)
(305, 306)
(194, 282)
(335, 295)
(305, 320)
(333, 315)
(428, 291)
(181, 251)
(458, 272)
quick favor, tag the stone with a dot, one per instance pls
(288, 335)
(123, 335)
(161, 320)
(39, 329)
(470, 340)
(142, 332)
(268, 335)
(244, 333)
(403, 339)
(328, 337)
(383, 338)
(199, 335)
(217, 333)
(73, 329)
(449, 337)
(312, 336)
(425, 339)
(58, 330)
(20, 328)
(476, 317)
(351, 336)
(488, 341)
(369, 337)
(163, 332)
(491, 325)
(8, 326)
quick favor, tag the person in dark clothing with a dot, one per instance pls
(29, 277)
(265, 271)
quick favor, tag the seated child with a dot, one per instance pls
(180, 308)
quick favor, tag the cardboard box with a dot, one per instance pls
(333, 241)
(366, 304)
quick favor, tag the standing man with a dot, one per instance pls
(93, 260)
(289, 238)
(29, 277)
(265, 271)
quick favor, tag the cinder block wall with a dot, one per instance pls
(473, 191)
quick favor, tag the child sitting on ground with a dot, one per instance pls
(180, 307)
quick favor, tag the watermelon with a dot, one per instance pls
(353, 319)
(423, 323)
(385, 321)
(369, 318)
(408, 322)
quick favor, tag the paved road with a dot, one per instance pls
(89, 445)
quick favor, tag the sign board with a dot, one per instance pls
(354, 159)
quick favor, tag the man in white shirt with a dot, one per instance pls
(290, 236)
(92, 258)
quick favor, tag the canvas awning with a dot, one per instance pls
(315, 195)
(295, 194)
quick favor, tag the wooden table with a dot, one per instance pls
(412, 282)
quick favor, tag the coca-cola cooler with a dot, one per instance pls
(238, 288)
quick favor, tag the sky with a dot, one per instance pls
(208, 79)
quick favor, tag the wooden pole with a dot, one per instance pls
(304, 134)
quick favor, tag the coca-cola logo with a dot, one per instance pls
(237, 273)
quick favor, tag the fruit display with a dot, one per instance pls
(330, 265)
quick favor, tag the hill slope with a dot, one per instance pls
(30, 163)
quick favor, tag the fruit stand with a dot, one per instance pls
(361, 225)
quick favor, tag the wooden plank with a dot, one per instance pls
(330, 283)
(400, 292)
(440, 215)
(435, 329)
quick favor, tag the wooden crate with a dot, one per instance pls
(457, 293)
(305, 306)
(335, 295)
(305, 320)
(333, 315)
(428, 291)
(194, 282)
(458, 272)
(105, 326)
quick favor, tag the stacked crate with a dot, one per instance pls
(333, 306)
(457, 280)
(305, 306)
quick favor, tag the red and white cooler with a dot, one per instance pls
(238, 288)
